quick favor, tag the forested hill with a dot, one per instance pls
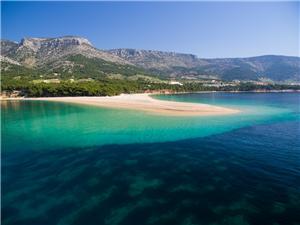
(75, 57)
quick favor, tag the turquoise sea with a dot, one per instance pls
(72, 164)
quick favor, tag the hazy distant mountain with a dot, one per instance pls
(69, 55)
(277, 68)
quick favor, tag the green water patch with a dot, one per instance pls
(45, 125)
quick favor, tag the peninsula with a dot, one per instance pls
(145, 103)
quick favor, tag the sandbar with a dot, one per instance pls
(145, 102)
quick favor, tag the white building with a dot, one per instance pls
(175, 83)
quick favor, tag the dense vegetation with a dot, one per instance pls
(67, 88)
(94, 77)
(83, 67)
(73, 66)
(109, 87)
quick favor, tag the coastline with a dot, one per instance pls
(142, 102)
(252, 91)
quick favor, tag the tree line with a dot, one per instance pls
(110, 87)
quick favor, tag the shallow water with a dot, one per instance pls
(38, 125)
(244, 169)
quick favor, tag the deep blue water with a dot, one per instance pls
(246, 175)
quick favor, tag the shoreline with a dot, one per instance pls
(252, 91)
(142, 102)
(159, 93)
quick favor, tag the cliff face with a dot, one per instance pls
(39, 51)
(63, 42)
(156, 59)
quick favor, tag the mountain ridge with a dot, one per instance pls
(217, 67)
(43, 50)
(44, 53)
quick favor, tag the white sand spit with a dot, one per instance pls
(145, 103)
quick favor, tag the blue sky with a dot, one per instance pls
(215, 29)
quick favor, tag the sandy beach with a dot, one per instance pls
(145, 103)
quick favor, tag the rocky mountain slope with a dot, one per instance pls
(277, 68)
(68, 56)
(63, 57)
(39, 51)
(156, 59)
